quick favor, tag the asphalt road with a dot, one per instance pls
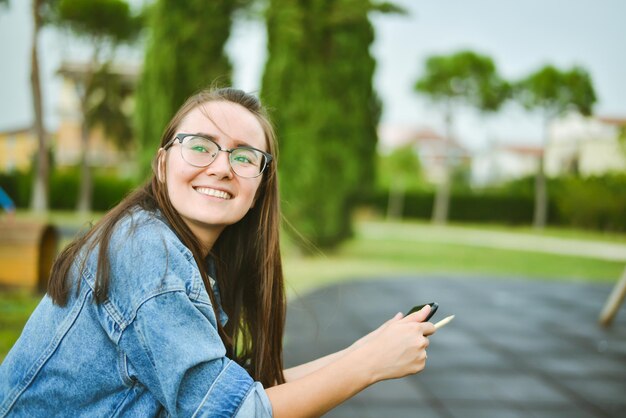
(517, 348)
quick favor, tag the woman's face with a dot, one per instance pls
(210, 198)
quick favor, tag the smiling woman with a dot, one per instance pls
(174, 303)
(207, 187)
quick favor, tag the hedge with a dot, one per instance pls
(108, 189)
(591, 203)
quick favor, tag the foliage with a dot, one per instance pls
(463, 78)
(99, 19)
(110, 104)
(64, 185)
(597, 203)
(555, 91)
(401, 166)
(104, 24)
(319, 78)
(185, 53)
(594, 202)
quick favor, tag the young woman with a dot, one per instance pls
(173, 304)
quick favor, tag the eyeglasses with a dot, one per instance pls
(201, 151)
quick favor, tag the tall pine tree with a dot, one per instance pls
(185, 53)
(318, 78)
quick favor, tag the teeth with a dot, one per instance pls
(212, 192)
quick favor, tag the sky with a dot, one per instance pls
(519, 36)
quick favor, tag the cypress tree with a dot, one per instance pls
(319, 79)
(185, 53)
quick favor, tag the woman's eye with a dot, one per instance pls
(199, 148)
(242, 159)
(245, 156)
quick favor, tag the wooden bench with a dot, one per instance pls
(27, 252)
(613, 302)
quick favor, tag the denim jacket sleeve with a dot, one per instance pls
(169, 332)
(176, 352)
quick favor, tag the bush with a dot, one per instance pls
(593, 203)
(18, 186)
(500, 208)
(108, 190)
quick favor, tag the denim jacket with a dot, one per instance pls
(150, 349)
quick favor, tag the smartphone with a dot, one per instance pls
(433, 309)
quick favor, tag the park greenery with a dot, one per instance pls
(462, 79)
(103, 24)
(553, 92)
(318, 85)
(319, 78)
(184, 53)
(40, 12)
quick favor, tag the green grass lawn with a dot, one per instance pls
(383, 250)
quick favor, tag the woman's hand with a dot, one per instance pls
(398, 347)
(364, 340)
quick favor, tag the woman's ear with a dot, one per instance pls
(161, 165)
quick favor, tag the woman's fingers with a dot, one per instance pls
(418, 316)
(428, 328)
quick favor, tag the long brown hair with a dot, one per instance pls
(247, 254)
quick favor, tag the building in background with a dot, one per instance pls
(502, 162)
(586, 146)
(17, 149)
(432, 149)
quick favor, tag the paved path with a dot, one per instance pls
(517, 348)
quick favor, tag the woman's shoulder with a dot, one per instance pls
(138, 222)
(142, 229)
(146, 258)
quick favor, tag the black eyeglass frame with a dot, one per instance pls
(181, 136)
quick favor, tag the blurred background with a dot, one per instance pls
(479, 138)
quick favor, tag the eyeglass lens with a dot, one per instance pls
(201, 152)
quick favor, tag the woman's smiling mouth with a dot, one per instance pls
(213, 192)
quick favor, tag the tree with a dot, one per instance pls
(319, 77)
(398, 172)
(104, 24)
(40, 11)
(462, 79)
(553, 92)
(185, 53)
(110, 105)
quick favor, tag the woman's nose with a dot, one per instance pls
(220, 166)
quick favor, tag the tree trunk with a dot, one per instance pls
(442, 200)
(85, 191)
(39, 196)
(395, 205)
(86, 186)
(540, 217)
(442, 194)
(541, 204)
